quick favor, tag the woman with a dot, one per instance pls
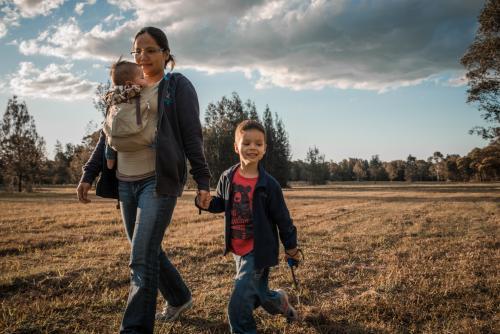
(149, 182)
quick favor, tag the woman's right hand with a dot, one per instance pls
(82, 190)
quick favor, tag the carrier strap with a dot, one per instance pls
(138, 110)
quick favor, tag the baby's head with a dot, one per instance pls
(125, 73)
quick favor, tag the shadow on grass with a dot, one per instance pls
(54, 284)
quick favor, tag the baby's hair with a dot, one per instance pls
(249, 124)
(123, 71)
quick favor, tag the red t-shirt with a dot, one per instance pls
(241, 214)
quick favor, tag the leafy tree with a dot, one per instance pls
(346, 167)
(221, 119)
(251, 110)
(464, 168)
(437, 168)
(270, 157)
(281, 168)
(451, 170)
(376, 169)
(334, 170)
(485, 162)
(422, 170)
(395, 170)
(62, 161)
(298, 170)
(411, 168)
(22, 150)
(482, 61)
(317, 169)
(360, 170)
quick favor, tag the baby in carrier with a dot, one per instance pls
(125, 112)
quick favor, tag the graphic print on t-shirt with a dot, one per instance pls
(241, 214)
(241, 223)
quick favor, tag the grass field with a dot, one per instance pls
(380, 258)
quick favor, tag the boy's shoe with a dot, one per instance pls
(288, 310)
(170, 313)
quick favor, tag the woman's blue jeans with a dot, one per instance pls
(250, 291)
(146, 216)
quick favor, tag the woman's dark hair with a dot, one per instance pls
(160, 39)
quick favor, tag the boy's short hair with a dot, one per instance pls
(123, 71)
(249, 124)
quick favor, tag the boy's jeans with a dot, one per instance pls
(146, 217)
(250, 291)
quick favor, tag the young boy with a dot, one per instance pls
(128, 80)
(255, 215)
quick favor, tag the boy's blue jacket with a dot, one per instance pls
(270, 216)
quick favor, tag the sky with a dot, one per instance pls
(354, 78)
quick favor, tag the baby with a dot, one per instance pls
(128, 80)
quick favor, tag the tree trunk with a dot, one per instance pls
(19, 182)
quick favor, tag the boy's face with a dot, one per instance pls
(250, 145)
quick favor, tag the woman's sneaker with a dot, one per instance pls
(288, 310)
(170, 313)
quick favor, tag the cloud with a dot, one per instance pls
(9, 17)
(79, 7)
(457, 81)
(12, 11)
(3, 29)
(113, 18)
(32, 8)
(298, 44)
(68, 41)
(52, 82)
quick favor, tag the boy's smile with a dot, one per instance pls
(250, 145)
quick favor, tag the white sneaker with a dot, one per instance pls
(170, 313)
(288, 310)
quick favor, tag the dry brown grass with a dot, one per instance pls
(380, 258)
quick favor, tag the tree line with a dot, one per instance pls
(480, 164)
(24, 162)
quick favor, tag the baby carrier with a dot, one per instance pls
(127, 114)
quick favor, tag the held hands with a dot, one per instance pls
(82, 190)
(203, 199)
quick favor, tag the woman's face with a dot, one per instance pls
(150, 57)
